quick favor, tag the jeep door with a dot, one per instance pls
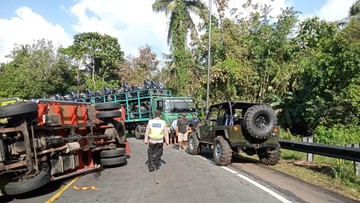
(207, 129)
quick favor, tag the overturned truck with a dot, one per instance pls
(46, 140)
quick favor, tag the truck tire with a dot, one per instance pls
(137, 132)
(260, 121)
(107, 106)
(120, 128)
(20, 187)
(108, 114)
(271, 157)
(113, 161)
(222, 152)
(19, 109)
(112, 153)
(194, 144)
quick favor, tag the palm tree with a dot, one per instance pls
(180, 20)
(181, 24)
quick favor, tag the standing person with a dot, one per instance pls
(156, 131)
(181, 131)
(228, 118)
(173, 131)
(195, 122)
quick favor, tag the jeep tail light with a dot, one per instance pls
(235, 128)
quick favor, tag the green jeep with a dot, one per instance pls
(232, 127)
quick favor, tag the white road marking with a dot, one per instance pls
(267, 190)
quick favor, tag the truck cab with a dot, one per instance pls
(173, 107)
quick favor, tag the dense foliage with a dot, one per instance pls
(308, 70)
(36, 71)
(98, 56)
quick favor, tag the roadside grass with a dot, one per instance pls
(336, 175)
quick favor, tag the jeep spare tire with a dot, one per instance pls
(260, 121)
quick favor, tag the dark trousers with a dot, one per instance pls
(155, 151)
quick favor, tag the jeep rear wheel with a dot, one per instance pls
(222, 152)
(260, 121)
(194, 144)
(269, 157)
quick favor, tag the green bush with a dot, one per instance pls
(337, 135)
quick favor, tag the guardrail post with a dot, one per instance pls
(310, 156)
(356, 164)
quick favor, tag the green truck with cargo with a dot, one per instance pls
(140, 107)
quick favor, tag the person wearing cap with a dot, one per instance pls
(195, 122)
(181, 131)
(156, 131)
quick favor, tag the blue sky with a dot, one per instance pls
(131, 21)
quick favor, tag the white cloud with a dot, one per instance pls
(26, 28)
(335, 9)
(132, 22)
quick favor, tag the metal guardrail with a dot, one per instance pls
(348, 153)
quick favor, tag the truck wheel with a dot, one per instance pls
(18, 109)
(260, 121)
(194, 144)
(108, 114)
(107, 106)
(222, 152)
(138, 134)
(23, 186)
(120, 128)
(112, 153)
(113, 161)
(269, 157)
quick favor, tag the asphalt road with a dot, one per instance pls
(181, 178)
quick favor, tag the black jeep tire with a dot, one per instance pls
(137, 132)
(108, 114)
(194, 144)
(260, 121)
(107, 106)
(113, 161)
(222, 152)
(271, 157)
(20, 187)
(17, 109)
(112, 153)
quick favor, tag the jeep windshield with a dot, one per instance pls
(179, 105)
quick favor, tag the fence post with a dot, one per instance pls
(356, 164)
(310, 156)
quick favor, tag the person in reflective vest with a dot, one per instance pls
(156, 132)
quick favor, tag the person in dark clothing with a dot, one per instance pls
(156, 131)
(182, 131)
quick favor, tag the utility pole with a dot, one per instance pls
(209, 61)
